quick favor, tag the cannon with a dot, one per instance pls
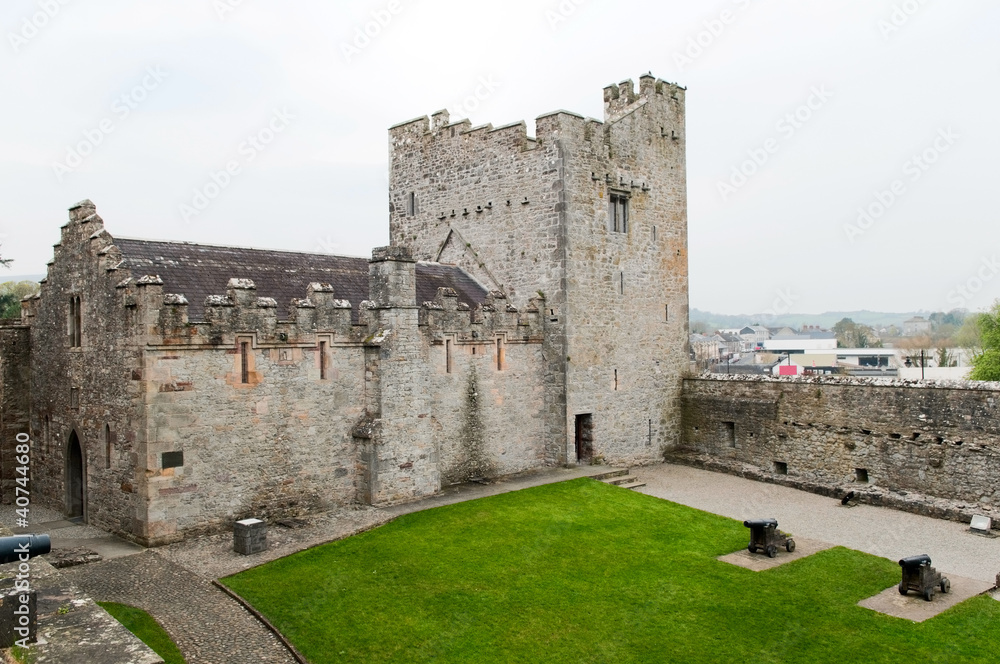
(765, 536)
(920, 576)
(12, 548)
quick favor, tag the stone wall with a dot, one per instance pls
(90, 390)
(530, 217)
(15, 343)
(898, 442)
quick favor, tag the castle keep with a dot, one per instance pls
(531, 311)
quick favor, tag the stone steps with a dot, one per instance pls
(620, 478)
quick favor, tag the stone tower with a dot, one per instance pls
(592, 217)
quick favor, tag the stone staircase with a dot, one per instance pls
(621, 478)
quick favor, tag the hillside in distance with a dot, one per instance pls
(827, 320)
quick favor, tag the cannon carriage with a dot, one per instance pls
(918, 575)
(765, 536)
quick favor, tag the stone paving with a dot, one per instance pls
(208, 626)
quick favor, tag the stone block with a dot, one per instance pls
(249, 536)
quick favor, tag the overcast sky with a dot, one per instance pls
(800, 114)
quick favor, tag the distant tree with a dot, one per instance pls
(6, 261)
(916, 348)
(986, 365)
(699, 327)
(944, 358)
(854, 335)
(11, 293)
(969, 338)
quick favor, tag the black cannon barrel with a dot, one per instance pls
(761, 523)
(12, 548)
(915, 561)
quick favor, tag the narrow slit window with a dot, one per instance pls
(107, 446)
(500, 353)
(322, 360)
(616, 380)
(75, 322)
(411, 204)
(654, 233)
(447, 356)
(621, 283)
(244, 362)
(666, 312)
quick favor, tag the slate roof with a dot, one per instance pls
(198, 270)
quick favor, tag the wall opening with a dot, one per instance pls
(729, 430)
(322, 360)
(75, 484)
(244, 362)
(616, 380)
(107, 446)
(585, 438)
(618, 211)
(447, 355)
(500, 354)
(781, 468)
(861, 475)
(75, 322)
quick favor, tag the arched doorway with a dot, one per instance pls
(75, 475)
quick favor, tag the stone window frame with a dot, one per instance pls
(618, 210)
(74, 321)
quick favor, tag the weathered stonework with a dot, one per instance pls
(171, 389)
(531, 217)
(932, 448)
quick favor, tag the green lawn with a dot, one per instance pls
(584, 572)
(147, 629)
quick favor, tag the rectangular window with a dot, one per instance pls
(75, 319)
(447, 355)
(74, 397)
(411, 204)
(654, 233)
(730, 432)
(500, 354)
(244, 362)
(322, 360)
(618, 212)
(172, 459)
(616, 380)
(666, 312)
(621, 283)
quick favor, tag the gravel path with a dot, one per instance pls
(208, 626)
(877, 530)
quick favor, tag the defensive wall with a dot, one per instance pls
(931, 448)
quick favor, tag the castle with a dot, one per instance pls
(531, 311)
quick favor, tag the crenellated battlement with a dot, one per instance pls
(495, 317)
(622, 99)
